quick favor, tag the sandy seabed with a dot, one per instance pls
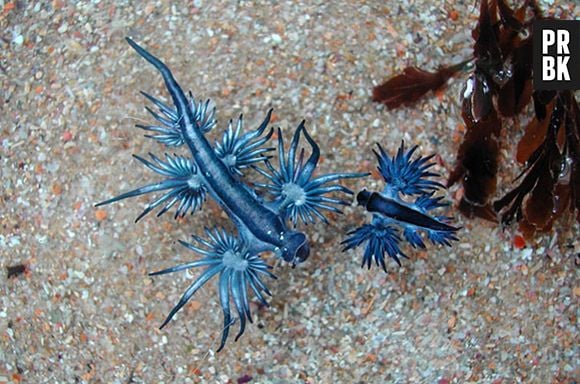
(86, 311)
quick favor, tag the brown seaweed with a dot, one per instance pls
(549, 184)
(500, 87)
(412, 84)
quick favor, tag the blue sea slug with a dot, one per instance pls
(407, 203)
(263, 225)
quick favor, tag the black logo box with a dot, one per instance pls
(573, 64)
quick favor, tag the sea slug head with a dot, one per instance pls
(295, 248)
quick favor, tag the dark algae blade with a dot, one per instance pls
(412, 84)
(550, 183)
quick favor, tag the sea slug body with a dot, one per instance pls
(406, 204)
(217, 172)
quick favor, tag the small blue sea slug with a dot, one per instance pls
(296, 194)
(406, 204)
